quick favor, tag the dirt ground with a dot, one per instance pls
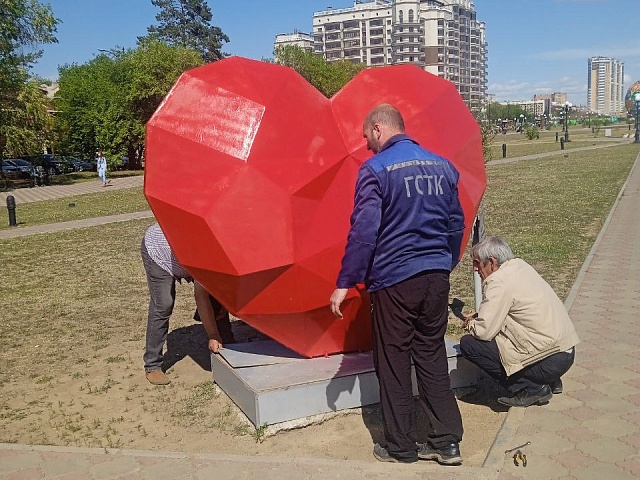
(71, 372)
(107, 402)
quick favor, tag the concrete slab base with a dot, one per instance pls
(272, 384)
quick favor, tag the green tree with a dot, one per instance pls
(106, 103)
(24, 24)
(187, 23)
(29, 124)
(327, 77)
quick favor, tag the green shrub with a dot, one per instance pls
(531, 131)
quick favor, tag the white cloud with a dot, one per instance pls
(516, 91)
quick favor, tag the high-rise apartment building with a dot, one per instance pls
(300, 39)
(442, 36)
(605, 86)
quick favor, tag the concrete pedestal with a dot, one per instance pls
(272, 384)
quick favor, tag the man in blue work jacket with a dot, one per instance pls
(406, 233)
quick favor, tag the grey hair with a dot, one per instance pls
(385, 114)
(492, 247)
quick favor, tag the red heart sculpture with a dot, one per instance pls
(251, 171)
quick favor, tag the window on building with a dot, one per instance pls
(410, 15)
(401, 16)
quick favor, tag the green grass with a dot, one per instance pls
(77, 207)
(550, 210)
(519, 145)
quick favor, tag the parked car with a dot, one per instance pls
(80, 165)
(12, 175)
(52, 164)
(24, 165)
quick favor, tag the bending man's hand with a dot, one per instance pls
(337, 297)
(215, 344)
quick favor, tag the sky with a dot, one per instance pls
(534, 46)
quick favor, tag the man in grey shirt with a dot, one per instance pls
(163, 269)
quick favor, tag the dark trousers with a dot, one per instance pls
(409, 322)
(544, 372)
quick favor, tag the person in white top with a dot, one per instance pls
(101, 163)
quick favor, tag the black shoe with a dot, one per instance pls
(449, 455)
(382, 455)
(556, 387)
(524, 399)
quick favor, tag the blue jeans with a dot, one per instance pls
(103, 175)
(162, 293)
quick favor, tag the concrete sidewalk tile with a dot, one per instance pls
(11, 460)
(612, 405)
(602, 471)
(551, 421)
(632, 439)
(582, 413)
(585, 395)
(33, 473)
(610, 426)
(114, 466)
(631, 465)
(606, 449)
(64, 463)
(575, 458)
(579, 433)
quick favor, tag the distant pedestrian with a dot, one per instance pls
(102, 168)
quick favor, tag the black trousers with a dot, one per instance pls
(486, 356)
(409, 323)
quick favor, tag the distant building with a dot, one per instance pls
(444, 37)
(535, 107)
(300, 39)
(605, 86)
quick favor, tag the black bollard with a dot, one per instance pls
(11, 207)
(562, 144)
(504, 150)
(556, 136)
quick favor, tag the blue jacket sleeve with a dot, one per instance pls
(365, 223)
(456, 227)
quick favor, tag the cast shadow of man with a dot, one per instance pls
(190, 341)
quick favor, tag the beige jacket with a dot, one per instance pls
(525, 316)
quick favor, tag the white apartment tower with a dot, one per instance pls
(442, 36)
(605, 86)
(300, 39)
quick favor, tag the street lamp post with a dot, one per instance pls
(567, 106)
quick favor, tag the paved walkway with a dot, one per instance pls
(36, 194)
(592, 431)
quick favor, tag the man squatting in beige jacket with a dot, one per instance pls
(521, 335)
